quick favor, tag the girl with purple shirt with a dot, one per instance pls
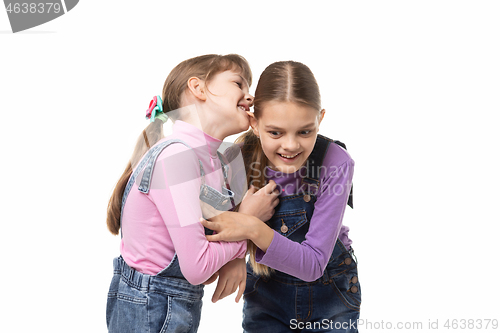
(301, 273)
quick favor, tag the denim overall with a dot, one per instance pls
(165, 302)
(284, 303)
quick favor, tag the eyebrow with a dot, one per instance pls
(279, 128)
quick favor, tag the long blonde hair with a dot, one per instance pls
(203, 67)
(283, 81)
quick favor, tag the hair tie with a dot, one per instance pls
(155, 110)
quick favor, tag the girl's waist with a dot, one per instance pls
(171, 285)
(341, 260)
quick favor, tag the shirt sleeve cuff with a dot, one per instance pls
(243, 250)
(262, 257)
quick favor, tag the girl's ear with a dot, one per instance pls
(197, 88)
(321, 116)
(253, 123)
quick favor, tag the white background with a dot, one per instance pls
(412, 88)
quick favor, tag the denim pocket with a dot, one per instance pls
(126, 309)
(287, 223)
(178, 314)
(346, 287)
(112, 299)
(251, 285)
(129, 294)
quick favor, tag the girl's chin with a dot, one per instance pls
(285, 168)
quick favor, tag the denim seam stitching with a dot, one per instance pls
(179, 295)
(291, 213)
(169, 315)
(131, 299)
(304, 283)
(294, 196)
(255, 286)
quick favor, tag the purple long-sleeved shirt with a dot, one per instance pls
(307, 260)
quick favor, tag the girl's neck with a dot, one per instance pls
(193, 115)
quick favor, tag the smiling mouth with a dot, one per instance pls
(243, 108)
(289, 157)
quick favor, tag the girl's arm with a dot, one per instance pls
(256, 206)
(233, 227)
(256, 203)
(175, 191)
(306, 260)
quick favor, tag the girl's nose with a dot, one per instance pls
(290, 144)
(249, 98)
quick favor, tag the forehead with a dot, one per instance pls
(228, 74)
(287, 115)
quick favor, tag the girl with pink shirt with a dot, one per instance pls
(168, 185)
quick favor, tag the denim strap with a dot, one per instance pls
(148, 171)
(313, 164)
(225, 169)
(149, 159)
(315, 161)
(349, 201)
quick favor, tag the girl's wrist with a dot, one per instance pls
(260, 234)
(252, 226)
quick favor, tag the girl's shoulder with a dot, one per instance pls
(174, 147)
(336, 154)
(231, 150)
(177, 153)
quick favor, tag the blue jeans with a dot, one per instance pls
(142, 303)
(283, 303)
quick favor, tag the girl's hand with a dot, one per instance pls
(230, 227)
(211, 279)
(234, 227)
(232, 276)
(260, 203)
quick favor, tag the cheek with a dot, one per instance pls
(309, 146)
(268, 147)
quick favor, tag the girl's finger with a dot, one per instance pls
(213, 238)
(228, 291)
(270, 187)
(221, 285)
(208, 224)
(250, 191)
(211, 279)
(241, 290)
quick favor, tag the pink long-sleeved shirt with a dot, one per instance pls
(165, 221)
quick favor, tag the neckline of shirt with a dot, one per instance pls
(197, 137)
